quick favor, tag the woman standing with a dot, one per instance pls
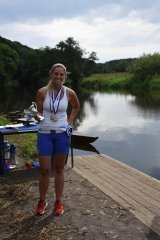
(53, 137)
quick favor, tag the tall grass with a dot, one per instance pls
(107, 81)
(26, 144)
(154, 83)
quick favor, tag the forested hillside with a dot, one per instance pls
(24, 67)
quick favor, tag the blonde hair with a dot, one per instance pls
(58, 65)
(49, 85)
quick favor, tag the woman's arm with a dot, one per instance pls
(40, 96)
(73, 99)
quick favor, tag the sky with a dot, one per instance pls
(114, 29)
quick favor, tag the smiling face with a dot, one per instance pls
(58, 76)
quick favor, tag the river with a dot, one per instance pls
(128, 129)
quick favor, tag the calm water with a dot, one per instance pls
(128, 129)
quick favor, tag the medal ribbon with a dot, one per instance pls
(54, 103)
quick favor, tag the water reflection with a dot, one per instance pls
(13, 101)
(148, 106)
(127, 131)
(128, 126)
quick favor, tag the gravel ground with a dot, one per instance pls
(89, 213)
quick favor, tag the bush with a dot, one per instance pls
(4, 120)
(146, 66)
(155, 83)
(26, 143)
(144, 70)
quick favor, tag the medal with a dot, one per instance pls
(53, 118)
(54, 104)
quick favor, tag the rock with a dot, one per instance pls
(102, 212)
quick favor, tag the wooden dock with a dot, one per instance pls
(134, 190)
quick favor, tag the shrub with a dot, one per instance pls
(155, 83)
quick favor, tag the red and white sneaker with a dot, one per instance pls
(58, 208)
(42, 204)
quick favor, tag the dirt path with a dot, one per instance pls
(89, 215)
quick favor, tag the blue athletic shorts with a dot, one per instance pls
(49, 144)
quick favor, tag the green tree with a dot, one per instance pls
(9, 60)
(144, 69)
(91, 64)
(71, 54)
(93, 57)
(28, 69)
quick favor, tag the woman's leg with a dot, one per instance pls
(45, 166)
(45, 169)
(61, 151)
(59, 162)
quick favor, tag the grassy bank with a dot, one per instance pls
(26, 144)
(107, 81)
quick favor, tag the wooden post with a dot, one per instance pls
(72, 161)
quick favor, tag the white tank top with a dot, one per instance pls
(60, 125)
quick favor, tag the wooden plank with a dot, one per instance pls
(148, 220)
(150, 181)
(139, 181)
(141, 213)
(127, 174)
(127, 190)
(127, 179)
(102, 187)
(137, 192)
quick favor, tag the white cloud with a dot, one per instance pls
(113, 29)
